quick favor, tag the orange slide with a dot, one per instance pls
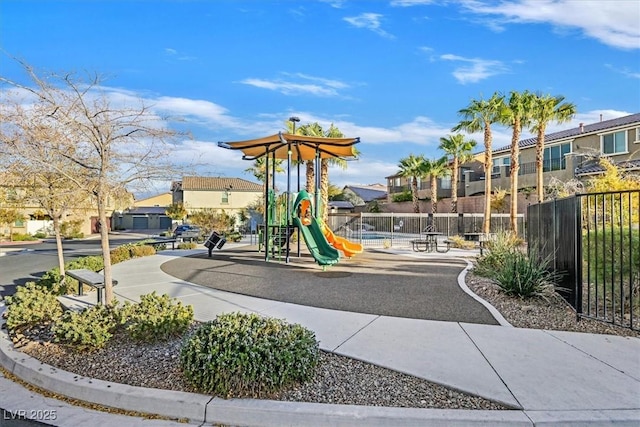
(347, 247)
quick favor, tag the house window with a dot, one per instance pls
(445, 183)
(554, 157)
(19, 223)
(614, 143)
(498, 162)
(637, 141)
(225, 197)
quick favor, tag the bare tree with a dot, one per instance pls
(110, 146)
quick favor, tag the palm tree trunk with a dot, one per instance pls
(488, 166)
(311, 177)
(454, 186)
(515, 167)
(324, 188)
(414, 195)
(434, 194)
(539, 164)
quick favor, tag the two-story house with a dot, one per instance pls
(201, 192)
(568, 154)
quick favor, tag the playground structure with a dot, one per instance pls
(321, 242)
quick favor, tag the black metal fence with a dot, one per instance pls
(594, 243)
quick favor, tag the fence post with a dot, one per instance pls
(578, 256)
(460, 224)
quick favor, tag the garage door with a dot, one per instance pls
(140, 222)
(165, 223)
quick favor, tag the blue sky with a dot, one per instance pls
(394, 73)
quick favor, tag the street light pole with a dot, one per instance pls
(293, 120)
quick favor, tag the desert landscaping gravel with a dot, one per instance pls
(338, 379)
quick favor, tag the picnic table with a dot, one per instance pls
(428, 242)
(90, 278)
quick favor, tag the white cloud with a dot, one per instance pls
(407, 3)
(299, 83)
(369, 21)
(614, 23)
(476, 69)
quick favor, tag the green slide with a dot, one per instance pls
(320, 249)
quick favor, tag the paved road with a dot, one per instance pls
(399, 287)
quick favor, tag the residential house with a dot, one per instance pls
(568, 154)
(34, 218)
(233, 195)
(145, 214)
(361, 195)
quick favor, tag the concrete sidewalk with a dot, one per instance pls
(548, 377)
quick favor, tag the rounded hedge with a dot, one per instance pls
(240, 354)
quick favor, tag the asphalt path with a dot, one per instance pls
(29, 261)
(372, 282)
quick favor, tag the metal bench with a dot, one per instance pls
(157, 242)
(90, 278)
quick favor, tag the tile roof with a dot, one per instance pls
(594, 168)
(340, 204)
(146, 210)
(369, 192)
(208, 183)
(586, 129)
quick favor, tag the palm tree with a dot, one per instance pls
(434, 169)
(480, 115)
(332, 132)
(460, 150)
(517, 115)
(314, 129)
(412, 168)
(311, 129)
(547, 108)
(258, 169)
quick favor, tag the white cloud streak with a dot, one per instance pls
(614, 23)
(475, 69)
(369, 21)
(299, 84)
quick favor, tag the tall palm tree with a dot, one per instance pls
(478, 116)
(434, 169)
(547, 108)
(412, 168)
(258, 169)
(314, 129)
(311, 129)
(460, 150)
(517, 115)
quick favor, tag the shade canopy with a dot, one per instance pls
(302, 147)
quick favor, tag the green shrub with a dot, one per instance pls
(405, 196)
(155, 317)
(234, 236)
(131, 250)
(496, 251)
(31, 305)
(525, 276)
(86, 330)
(187, 245)
(248, 355)
(138, 251)
(120, 254)
(40, 235)
(20, 237)
(71, 229)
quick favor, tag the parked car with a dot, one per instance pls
(367, 227)
(187, 232)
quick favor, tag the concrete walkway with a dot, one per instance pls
(548, 377)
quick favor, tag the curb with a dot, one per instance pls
(199, 408)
